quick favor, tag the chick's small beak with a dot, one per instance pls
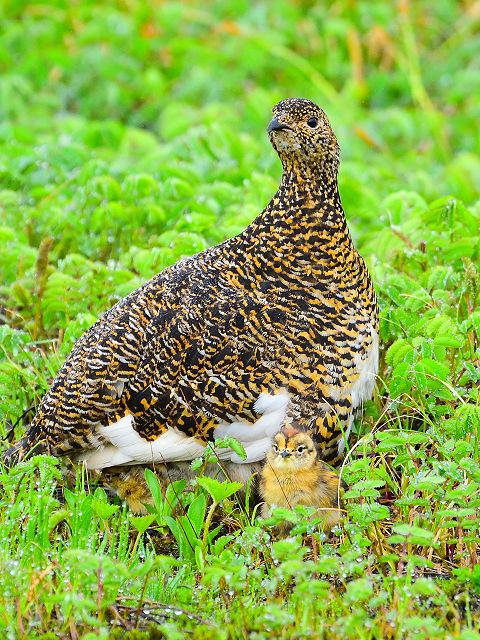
(285, 453)
(275, 125)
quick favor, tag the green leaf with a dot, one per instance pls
(415, 437)
(428, 368)
(233, 444)
(363, 514)
(359, 590)
(186, 550)
(190, 537)
(196, 513)
(400, 382)
(400, 351)
(220, 544)
(412, 534)
(219, 490)
(155, 489)
(365, 489)
(141, 523)
(429, 482)
(173, 495)
(103, 509)
(59, 515)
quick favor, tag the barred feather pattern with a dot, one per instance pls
(287, 305)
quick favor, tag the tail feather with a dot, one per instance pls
(31, 444)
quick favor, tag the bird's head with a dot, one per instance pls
(301, 135)
(292, 450)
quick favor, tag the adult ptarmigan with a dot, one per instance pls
(276, 325)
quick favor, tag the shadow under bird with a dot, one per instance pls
(276, 326)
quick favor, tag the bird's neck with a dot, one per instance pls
(304, 220)
(312, 198)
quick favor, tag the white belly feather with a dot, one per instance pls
(122, 445)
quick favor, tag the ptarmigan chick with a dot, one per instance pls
(293, 475)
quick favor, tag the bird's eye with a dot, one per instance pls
(301, 448)
(275, 446)
(312, 122)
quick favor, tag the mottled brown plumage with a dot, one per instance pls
(293, 475)
(285, 309)
(130, 485)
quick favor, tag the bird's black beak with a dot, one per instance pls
(285, 453)
(275, 125)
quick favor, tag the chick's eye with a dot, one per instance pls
(275, 446)
(301, 448)
(312, 122)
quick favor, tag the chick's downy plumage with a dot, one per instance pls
(294, 475)
(275, 326)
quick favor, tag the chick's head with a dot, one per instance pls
(301, 134)
(292, 450)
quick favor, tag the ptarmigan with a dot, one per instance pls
(278, 325)
(294, 475)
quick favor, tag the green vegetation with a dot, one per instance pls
(131, 135)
